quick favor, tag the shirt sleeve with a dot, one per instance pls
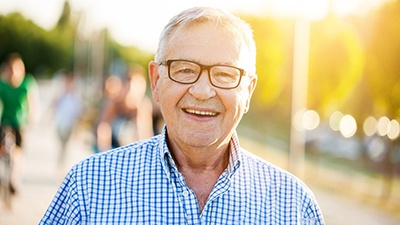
(311, 211)
(65, 206)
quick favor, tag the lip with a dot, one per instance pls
(200, 113)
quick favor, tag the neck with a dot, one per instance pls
(201, 168)
(201, 159)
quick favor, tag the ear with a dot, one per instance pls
(251, 87)
(153, 77)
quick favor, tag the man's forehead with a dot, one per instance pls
(204, 35)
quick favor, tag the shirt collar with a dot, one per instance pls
(234, 159)
(167, 160)
(165, 154)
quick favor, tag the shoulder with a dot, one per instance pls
(4, 88)
(30, 80)
(277, 183)
(3, 84)
(122, 159)
(270, 173)
(279, 190)
(257, 163)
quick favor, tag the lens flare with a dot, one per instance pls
(348, 126)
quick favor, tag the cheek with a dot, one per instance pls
(160, 89)
(242, 97)
(169, 93)
(234, 104)
(246, 92)
(242, 104)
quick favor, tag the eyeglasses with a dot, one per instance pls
(188, 72)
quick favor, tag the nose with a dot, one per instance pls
(203, 88)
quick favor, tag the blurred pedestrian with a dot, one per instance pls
(68, 110)
(127, 114)
(20, 101)
(195, 171)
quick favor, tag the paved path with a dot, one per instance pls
(41, 177)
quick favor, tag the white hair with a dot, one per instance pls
(238, 27)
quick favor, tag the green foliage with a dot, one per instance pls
(383, 65)
(64, 22)
(131, 54)
(41, 50)
(45, 52)
(353, 65)
(273, 41)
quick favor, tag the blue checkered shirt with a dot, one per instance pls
(140, 184)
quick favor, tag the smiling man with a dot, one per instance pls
(195, 172)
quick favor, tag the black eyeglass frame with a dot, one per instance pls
(202, 67)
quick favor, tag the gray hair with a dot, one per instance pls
(239, 28)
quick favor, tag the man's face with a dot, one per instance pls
(199, 114)
(17, 72)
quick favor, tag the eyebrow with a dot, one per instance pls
(215, 64)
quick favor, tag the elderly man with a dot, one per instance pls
(195, 172)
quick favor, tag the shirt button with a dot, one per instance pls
(171, 161)
(185, 193)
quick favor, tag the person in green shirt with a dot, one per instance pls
(18, 98)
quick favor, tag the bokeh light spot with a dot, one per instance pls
(383, 125)
(348, 126)
(310, 120)
(370, 126)
(334, 120)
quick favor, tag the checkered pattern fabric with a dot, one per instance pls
(140, 184)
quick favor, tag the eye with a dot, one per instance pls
(186, 70)
(225, 74)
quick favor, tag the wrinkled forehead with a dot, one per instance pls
(229, 29)
(222, 32)
(211, 28)
(209, 41)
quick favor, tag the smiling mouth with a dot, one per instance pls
(200, 113)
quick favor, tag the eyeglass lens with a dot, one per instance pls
(188, 72)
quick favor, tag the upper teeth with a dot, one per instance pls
(203, 113)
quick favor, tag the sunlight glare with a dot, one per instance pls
(348, 126)
(370, 126)
(383, 125)
(298, 120)
(334, 120)
(345, 7)
(310, 120)
(393, 129)
(309, 9)
(314, 9)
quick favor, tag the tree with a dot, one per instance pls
(274, 42)
(383, 54)
(39, 49)
(336, 65)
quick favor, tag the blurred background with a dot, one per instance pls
(326, 108)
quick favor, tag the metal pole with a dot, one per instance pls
(299, 94)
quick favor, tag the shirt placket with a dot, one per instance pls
(186, 196)
(220, 188)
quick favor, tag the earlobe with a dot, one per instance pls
(153, 77)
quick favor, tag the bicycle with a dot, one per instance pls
(7, 146)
